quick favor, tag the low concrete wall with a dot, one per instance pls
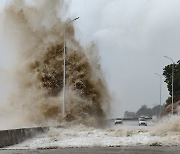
(15, 136)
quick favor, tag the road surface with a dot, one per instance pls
(108, 150)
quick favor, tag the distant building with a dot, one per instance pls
(128, 114)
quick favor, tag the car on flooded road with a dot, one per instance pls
(142, 121)
(118, 121)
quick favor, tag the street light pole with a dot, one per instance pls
(160, 77)
(172, 82)
(64, 66)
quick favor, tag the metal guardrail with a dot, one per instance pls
(129, 119)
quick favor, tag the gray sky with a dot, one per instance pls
(132, 36)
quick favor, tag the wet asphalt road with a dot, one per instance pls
(107, 150)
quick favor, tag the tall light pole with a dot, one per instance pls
(172, 82)
(64, 66)
(160, 77)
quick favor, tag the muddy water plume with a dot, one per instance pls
(39, 72)
(84, 95)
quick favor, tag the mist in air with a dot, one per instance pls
(132, 37)
(32, 33)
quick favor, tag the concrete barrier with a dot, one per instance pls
(15, 136)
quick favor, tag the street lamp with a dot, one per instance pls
(160, 77)
(64, 66)
(172, 81)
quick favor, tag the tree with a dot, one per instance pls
(144, 111)
(128, 114)
(167, 72)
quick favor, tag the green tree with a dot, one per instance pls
(144, 111)
(167, 72)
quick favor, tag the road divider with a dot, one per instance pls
(15, 136)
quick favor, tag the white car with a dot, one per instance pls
(118, 121)
(142, 121)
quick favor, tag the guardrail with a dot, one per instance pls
(128, 119)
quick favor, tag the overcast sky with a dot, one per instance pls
(132, 36)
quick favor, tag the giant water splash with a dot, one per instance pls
(37, 29)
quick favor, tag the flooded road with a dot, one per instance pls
(108, 150)
(128, 134)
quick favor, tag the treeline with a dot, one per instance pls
(167, 73)
(144, 111)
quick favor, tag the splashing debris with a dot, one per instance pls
(39, 37)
